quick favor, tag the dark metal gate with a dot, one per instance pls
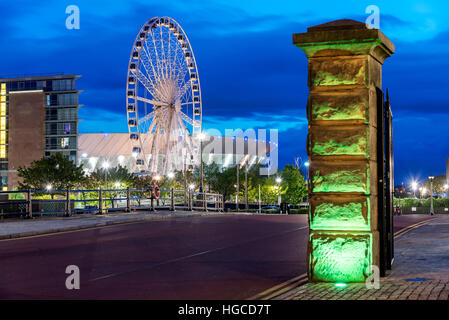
(385, 180)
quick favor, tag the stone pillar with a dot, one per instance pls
(345, 67)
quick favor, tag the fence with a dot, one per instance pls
(424, 210)
(29, 203)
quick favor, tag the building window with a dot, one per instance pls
(65, 143)
(67, 128)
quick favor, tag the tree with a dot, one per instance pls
(224, 182)
(107, 178)
(57, 171)
(294, 188)
(211, 173)
(438, 184)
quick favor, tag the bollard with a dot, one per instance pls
(68, 211)
(190, 200)
(100, 201)
(30, 204)
(172, 199)
(152, 201)
(127, 201)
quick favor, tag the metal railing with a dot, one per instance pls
(29, 203)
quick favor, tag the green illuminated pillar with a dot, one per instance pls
(345, 67)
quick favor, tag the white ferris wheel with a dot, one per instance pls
(163, 94)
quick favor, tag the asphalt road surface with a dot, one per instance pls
(225, 257)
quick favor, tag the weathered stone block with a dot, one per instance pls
(338, 106)
(339, 140)
(338, 71)
(339, 256)
(341, 176)
(340, 212)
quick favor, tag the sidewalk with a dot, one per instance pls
(23, 228)
(420, 271)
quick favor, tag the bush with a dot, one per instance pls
(412, 202)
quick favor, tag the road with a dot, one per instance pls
(221, 257)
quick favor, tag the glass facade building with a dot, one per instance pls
(61, 115)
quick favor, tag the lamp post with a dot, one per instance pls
(414, 187)
(307, 164)
(431, 195)
(106, 167)
(278, 181)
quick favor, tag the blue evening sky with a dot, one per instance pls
(251, 74)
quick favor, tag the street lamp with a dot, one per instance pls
(414, 187)
(48, 187)
(278, 181)
(431, 195)
(191, 186)
(106, 167)
(170, 175)
(307, 165)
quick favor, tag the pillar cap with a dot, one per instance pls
(349, 37)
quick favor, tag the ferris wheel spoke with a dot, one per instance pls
(185, 117)
(154, 102)
(158, 60)
(148, 82)
(164, 61)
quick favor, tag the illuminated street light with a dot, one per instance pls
(48, 187)
(307, 165)
(278, 181)
(191, 186)
(117, 184)
(170, 175)
(414, 187)
(105, 166)
(431, 195)
(157, 177)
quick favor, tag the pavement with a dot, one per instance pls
(160, 255)
(37, 226)
(420, 270)
(208, 256)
